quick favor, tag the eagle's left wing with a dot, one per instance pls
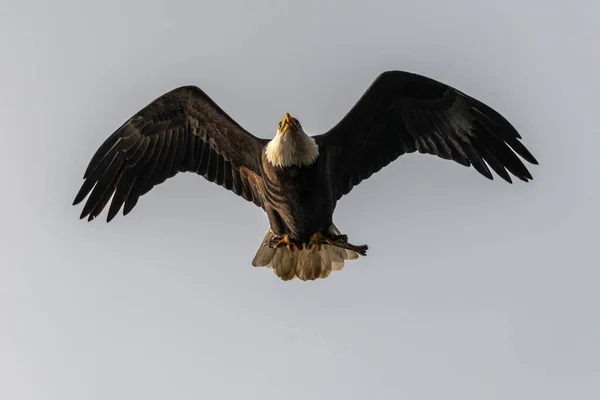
(183, 130)
(402, 113)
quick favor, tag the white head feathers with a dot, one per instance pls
(291, 146)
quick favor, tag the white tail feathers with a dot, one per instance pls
(305, 264)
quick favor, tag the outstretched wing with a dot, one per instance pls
(402, 113)
(181, 131)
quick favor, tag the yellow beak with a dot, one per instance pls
(286, 122)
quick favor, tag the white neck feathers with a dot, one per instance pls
(295, 149)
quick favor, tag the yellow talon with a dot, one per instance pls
(288, 242)
(285, 240)
(316, 239)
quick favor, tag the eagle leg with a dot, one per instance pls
(318, 239)
(343, 238)
(360, 249)
(285, 240)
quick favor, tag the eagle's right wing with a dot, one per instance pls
(181, 131)
(403, 113)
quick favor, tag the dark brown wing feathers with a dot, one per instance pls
(181, 131)
(403, 113)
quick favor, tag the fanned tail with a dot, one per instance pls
(305, 264)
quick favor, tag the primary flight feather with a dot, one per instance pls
(295, 178)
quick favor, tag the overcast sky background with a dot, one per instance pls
(472, 289)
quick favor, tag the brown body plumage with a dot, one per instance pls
(299, 200)
(295, 178)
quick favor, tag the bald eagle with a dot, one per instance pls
(295, 178)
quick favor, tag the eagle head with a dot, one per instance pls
(291, 146)
(289, 125)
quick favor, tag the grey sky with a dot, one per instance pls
(471, 290)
